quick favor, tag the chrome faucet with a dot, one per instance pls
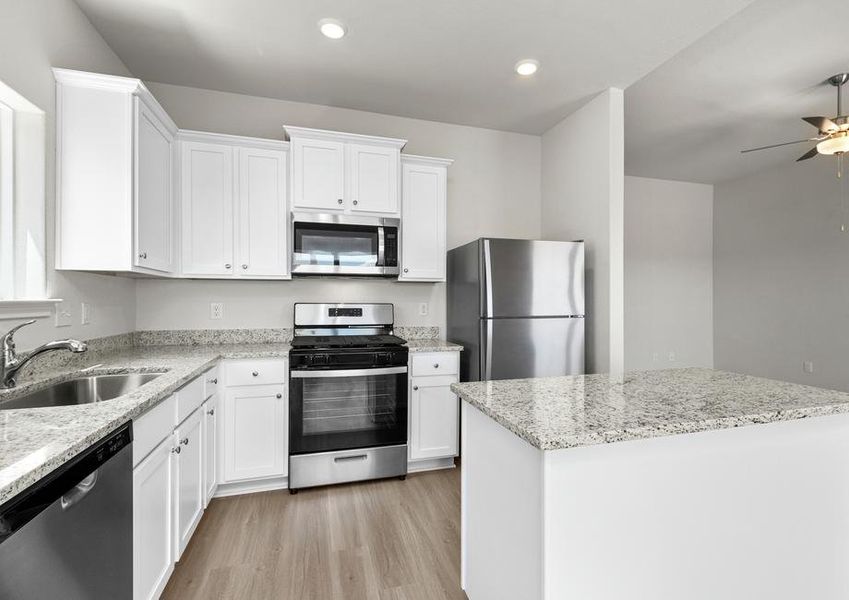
(11, 362)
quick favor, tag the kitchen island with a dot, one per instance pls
(684, 483)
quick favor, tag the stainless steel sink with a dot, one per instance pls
(81, 390)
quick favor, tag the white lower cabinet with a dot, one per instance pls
(190, 492)
(210, 443)
(433, 407)
(153, 542)
(254, 432)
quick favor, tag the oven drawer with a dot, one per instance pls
(256, 372)
(325, 468)
(434, 363)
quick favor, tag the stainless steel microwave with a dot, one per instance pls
(327, 244)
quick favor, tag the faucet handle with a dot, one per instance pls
(7, 338)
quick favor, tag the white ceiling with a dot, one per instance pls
(745, 84)
(444, 60)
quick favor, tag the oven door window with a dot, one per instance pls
(339, 412)
(334, 245)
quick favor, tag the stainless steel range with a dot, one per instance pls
(347, 395)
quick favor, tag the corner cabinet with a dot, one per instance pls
(234, 211)
(115, 155)
(424, 185)
(344, 173)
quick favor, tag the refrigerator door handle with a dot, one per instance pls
(487, 266)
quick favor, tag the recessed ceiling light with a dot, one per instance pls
(332, 28)
(527, 66)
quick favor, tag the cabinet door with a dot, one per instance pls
(318, 171)
(434, 418)
(210, 448)
(207, 201)
(153, 490)
(372, 179)
(190, 490)
(154, 215)
(263, 218)
(255, 433)
(423, 223)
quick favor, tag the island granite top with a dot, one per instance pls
(555, 413)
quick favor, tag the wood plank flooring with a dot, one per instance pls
(379, 540)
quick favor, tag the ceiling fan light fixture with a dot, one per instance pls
(836, 144)
(332, 28)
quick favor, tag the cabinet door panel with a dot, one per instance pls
(153, 558)
(434, 417)
(423, 223)
(255, 432)
(210, 448)
(190, 492)
(263, 217)
(153, 198)
(207, 200)
(318, 174)
(372, 175)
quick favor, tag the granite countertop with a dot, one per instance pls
(566, 412)
(432, 345)
(35, 441)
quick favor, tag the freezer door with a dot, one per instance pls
(525, 278)
(522, 348)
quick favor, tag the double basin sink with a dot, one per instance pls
(81, 390)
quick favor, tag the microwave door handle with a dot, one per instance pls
(381, 247)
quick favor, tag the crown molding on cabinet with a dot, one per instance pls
(188, 135)
(427, 160)
(339, 136)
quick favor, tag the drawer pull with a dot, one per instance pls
(185, 441)
(415, 388)
(214, 381)
(210, 412)
(255, 373)
(353, 457)
(176, 450)
(279, 395)
(435, 365)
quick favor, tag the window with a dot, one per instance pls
(23, 289)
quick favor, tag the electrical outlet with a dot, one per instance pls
(671, 357)
(86, 311)
(423, 309)
(216, 310)
(63, 315)
(808, 366)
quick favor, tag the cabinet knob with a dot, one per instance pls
(435, 365)
(185, 441)
(176, 450)
(406, 270)
(244, 266)
(142, 254)
(415, 388)
(227, 266)
(355, 202)
(255, 373)
(210, 412)
(279, 395)
(339, 201)
(214, 381)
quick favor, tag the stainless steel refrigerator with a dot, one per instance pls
(518, 308)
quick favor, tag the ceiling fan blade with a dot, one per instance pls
(823, 124)
(779, 145)
(809, 154)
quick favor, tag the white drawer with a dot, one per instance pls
(210, 383)
(152, 427)
(257, 372)
(189, 397)
(434, 363)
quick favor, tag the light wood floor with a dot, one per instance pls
(381, 540)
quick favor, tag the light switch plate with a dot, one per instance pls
(423, 309)
(86, 311)
(216, 310)
(63, 315)
(808, 366)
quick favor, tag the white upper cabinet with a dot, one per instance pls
(344, 173)
(115, 157)
(207, 200)
(235, 215)
(423, 218)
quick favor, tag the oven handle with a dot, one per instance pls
(347, 373)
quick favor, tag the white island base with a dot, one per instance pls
(756, 512)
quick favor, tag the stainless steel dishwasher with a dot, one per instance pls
(70, 535)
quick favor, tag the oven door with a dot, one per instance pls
(347, 409)
(351, 247)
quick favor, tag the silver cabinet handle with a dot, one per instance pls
(279, 395)
(255, 373)
(339, 201)
(210, 412)
(435, 365)
(355, 202)
(185, 441)
(244, 266)
(227, 266)
(142, 254)
(406, 270)
(214, 381)
(415, 388)
(176, 450)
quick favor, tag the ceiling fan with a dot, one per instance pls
(833, 133)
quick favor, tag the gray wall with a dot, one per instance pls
(493, 190)
(668, 274)
(781, 274)
(36, 35)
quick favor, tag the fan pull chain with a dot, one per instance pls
(844, 192)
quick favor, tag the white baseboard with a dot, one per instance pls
(432, 464)
(251, 487)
